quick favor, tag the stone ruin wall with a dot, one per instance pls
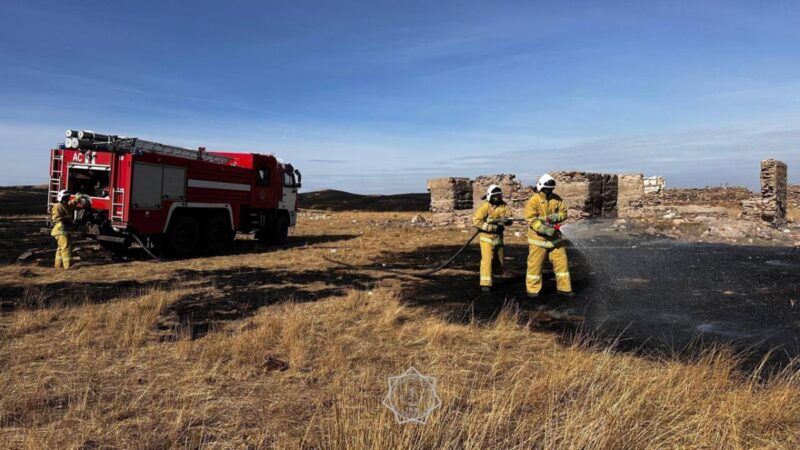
(451, 199)
(710, 203)
(722, 196)
(630, 195)
(794, 196)
(634, 196)
(588, 194)
(654, 185)
(774, 191)
(636, 201)
(719, 202)
(514, 193)
(776, 197)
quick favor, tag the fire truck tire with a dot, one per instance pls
(280, 232)
(217, 234)
(183, 236)
(276, 232)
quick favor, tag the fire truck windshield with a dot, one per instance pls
(89, 180)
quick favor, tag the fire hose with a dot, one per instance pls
(87, 217)
(144, 247)
(466, 244)
(442, 265)
(420, 275)
(452, 258)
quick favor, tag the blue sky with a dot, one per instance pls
(376, 97)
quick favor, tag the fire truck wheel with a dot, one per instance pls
(183, 236)
(276, 232)
(280, 234)
(217, 234)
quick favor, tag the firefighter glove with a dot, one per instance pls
(554, 218)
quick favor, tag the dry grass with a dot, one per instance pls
(309, 368)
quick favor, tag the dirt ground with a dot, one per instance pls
(292, 347)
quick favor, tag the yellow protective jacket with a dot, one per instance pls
(537, 211)
(484, 215)
(62, 216)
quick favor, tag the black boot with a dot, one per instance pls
(533, 295)
(565, 294)
(486, 288)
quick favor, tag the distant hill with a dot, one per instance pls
(346, 201)
(32, 200)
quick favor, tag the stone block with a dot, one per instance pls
(450, 194)
(582, 193)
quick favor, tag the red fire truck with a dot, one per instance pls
(170, 198)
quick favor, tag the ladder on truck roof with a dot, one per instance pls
(136, 145)
(88, 140)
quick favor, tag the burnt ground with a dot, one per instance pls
(19, 234)
(23, 199)
(670, 293)
(647, 295)
(666, 293)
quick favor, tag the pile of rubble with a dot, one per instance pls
(734, 215)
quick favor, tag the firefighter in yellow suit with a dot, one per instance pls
(62, 217)
(544, 213)
(490, 218)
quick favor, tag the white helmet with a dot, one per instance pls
(61, 194)
(492, 190)
(546, 182)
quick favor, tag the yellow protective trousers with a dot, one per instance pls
(491, 258)
(558, 258)
(64, 251)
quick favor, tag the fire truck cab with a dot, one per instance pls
(174, 199)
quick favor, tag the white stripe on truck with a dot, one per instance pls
(205, 184)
